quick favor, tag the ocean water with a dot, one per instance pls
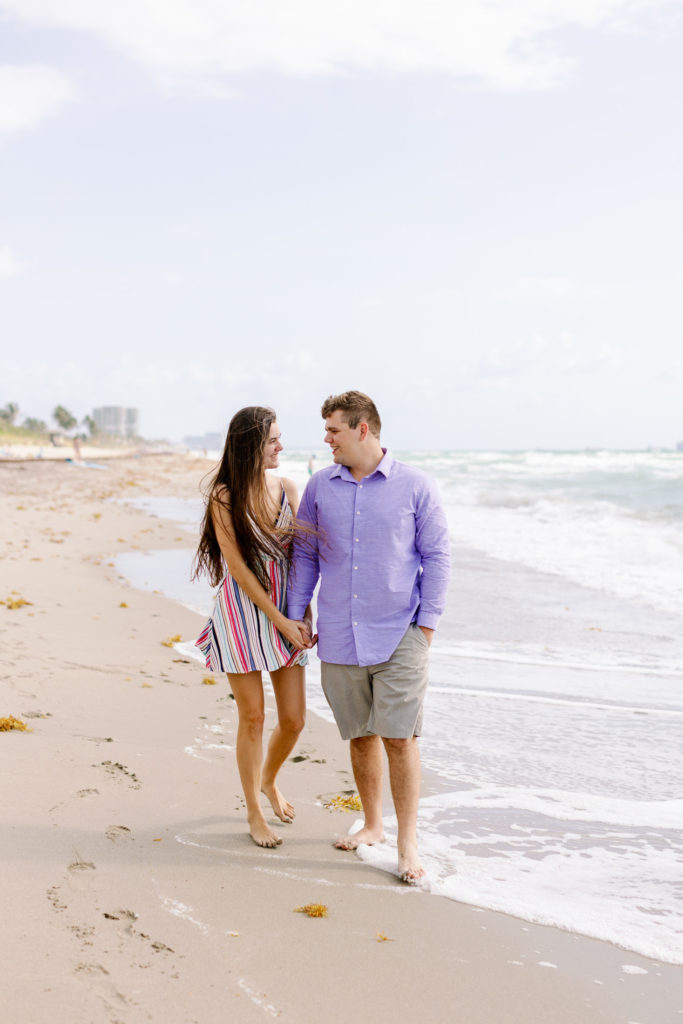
(553, 726)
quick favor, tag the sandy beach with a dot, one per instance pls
(132, 890)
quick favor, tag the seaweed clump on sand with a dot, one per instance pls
(312, 909)
(171, 640)
(16, 602)
(344, 802)
(6, 724)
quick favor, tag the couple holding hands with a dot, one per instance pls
(373, 531)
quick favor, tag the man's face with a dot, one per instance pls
(343, 440)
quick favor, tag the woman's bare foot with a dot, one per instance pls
(410, 869)
(261, 833)
(282, 808)
(368, 836)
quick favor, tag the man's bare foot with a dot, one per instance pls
(261, 833)
(368, 836)
(282, 808)
(410, 869)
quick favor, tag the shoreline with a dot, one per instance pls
(34, 452)
(126, 850)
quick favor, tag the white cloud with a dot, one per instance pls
(507, 44)
(10, 264)
(30, 93)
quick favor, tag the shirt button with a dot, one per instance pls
(355, 623)
(355, 567)
(356, 540)
(355, 595)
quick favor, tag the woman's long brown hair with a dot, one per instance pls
(237, 487)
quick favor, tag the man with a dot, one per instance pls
(379, 543)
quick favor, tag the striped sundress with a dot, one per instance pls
(239, 637)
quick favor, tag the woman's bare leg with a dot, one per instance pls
(289, 686)
(248, 692)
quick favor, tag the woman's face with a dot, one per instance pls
(273, 447)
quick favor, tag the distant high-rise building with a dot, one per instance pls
(116, 421)
(132, 421)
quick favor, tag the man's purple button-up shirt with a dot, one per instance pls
(382, 551)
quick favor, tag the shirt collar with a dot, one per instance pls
(384, 468)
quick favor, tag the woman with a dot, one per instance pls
(245, 543)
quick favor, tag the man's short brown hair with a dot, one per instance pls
(356, 407)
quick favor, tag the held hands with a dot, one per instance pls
(308, 628)
(298, 634)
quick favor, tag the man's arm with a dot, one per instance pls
(432, 540)
(305, 568)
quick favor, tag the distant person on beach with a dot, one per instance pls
(245, 547)
(380, 546)
(311, 465)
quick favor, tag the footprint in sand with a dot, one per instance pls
(116, 770)
(118, 832)
(81, 865)
(126, 916)
(95, 977)
(127, 919)
(55, 899)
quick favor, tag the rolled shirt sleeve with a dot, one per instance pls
(432, 540)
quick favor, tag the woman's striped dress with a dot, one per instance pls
(239, 637)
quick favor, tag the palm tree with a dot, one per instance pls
(65, 419)
(9, 413)
(34, 425)
(89, 422)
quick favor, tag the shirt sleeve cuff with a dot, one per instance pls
(428, 619)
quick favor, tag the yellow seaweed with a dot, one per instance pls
(6, 724)
(342, 802)
(312, 909)
(208, 681)
(16, 602)
(171, 640)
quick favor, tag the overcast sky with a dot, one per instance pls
(471, 210)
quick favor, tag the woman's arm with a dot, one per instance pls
(245, 578)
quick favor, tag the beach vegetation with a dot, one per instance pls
(171, 640)
(90, 425)
(65, 419)
(31, 431)
(344, 802)
(312, 910)
(35, 426)
(9, 413)
(7, 724)
(16, 602)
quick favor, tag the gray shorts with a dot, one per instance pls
(381, 700)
